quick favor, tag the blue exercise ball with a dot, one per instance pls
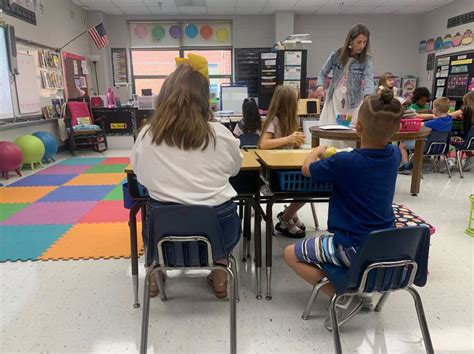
(50, 145)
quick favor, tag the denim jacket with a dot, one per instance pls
(360, 80)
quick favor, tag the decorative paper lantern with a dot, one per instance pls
(175, 31)
(140, 31)
(32, 149)
(430, 43)
(457, 39)
(158, 32)
(422, 46)
(50, 145)
(206, 32)
(191, 31)
(222, 34)
(467, 37)
(447, 41)
(10, 158)
(438, 43)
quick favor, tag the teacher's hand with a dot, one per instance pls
(319, 92)
(296, 139)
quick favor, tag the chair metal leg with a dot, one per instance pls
(233, 309)
(422, 320)
(447, 165)
(146, 312)
(315, 217)
(314, 294)
(381, 302)
(233, 265)
(161, 285)
(458, 156)
(335, 325)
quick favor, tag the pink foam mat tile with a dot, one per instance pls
(64, 170)
(46, 213)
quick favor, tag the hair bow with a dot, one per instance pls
(198, 63)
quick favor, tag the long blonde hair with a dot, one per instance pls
(182, 112)
(284, 107)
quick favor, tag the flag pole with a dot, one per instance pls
(72, 40)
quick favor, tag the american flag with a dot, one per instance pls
(99, 35)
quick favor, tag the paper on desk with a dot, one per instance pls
(334, 127)
(289, 151)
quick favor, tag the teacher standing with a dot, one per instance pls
(352, 76)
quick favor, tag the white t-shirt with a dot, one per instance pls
(192, 177)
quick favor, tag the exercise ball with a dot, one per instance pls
(32, 149)
(50, 145)
(11, 158)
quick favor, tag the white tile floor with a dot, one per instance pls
(86, 306)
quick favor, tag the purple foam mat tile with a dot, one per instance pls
(64, 170)
(77, 193)
(51, 213)
(43, 180)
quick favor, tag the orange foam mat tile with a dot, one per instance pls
(96, 179)
(23, 194)
(94, 241)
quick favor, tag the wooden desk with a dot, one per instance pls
(247, 185)
(351, 135)
(272, 162)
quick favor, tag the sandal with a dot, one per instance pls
(289, 229)
(153, 289)
(295, 219)
(220, 289)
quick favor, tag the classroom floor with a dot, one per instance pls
(86, 306)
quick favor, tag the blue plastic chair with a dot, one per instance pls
(249, 141)
(467, 146)
(389, 260)
(437, 145)
(184, 237)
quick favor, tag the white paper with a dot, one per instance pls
(85, 70)
(439, 92)
(295, 84)
(292, 58)
(268, 55)
(440, 82)
(75, 66)
(444, 73)
(443, 61)
(292, 73)
(335, 127)
(270, 62)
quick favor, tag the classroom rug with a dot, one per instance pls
(71, 210)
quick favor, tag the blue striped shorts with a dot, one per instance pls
(321, 249)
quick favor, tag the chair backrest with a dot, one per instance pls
(249, 141)
(437, 143)
(78, 110)
(469, 140)
(177, 221)
(404, 253)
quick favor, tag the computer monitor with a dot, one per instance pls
(232, 98)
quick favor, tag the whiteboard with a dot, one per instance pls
(232, 98)
(6, 105)
(27, 85)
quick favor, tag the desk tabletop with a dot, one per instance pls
(351, 135)
(283, 159)
(249, 162)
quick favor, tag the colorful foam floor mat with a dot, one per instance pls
(71, 210)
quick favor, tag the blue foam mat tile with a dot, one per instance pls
(77, 193)
(28, 242)
(43, 180)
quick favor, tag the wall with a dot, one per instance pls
(393, 39)
(62, 21)
(434, 24)
(284, 24)
(247, 31)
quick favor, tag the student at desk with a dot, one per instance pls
(182, 157)
(280, 131)
(363, 187)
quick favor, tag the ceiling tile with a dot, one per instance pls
(164, 10)
(306, 10)
(220, 10)
(192, 10)
(251, 2)
(248, 10)
(311, 2)
(286, 3)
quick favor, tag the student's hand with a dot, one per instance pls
(296, 139)
(319, 152)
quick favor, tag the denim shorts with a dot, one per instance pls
(409, 144)
(227, 216)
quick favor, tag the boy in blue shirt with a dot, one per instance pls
(363, 187)
(441, 122)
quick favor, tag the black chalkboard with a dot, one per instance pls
(247, 68)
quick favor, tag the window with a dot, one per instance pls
(151, 66)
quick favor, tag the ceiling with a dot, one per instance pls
(255, 7)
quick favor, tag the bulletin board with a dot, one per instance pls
(75, 79)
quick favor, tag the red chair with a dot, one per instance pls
(83, 129)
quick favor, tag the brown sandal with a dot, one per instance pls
(220, 289)
(153, 289)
